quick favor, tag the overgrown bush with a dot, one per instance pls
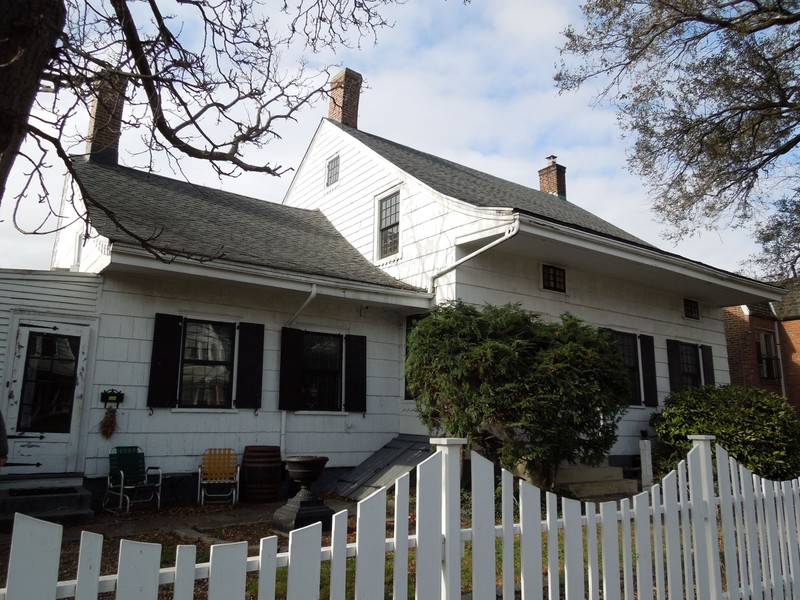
(524, 390)
(759, 428)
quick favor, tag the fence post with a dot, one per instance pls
(709, 535)
(451, 514)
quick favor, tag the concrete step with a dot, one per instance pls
(44, 499)
(607, 489)
(580, 474)
(67, 518)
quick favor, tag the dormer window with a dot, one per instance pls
(332, 175)
(554, 279)
(389, 233)
(691, 309)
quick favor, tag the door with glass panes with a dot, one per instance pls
(45, 394)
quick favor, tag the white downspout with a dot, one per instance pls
(508, 235)
(308, 301)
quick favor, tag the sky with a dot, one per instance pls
(470, 83)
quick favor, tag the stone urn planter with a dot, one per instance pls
(305, 507)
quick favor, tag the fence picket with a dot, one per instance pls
(644, 549)
(87, 581)
(507, 520)
(627, 550)
(483, 521)
(727, 523)
(530, 509)
(658, 541)
(750, 511)
(573, 550)
(429, 528)
(304, 562)
(267, 567)
(37, 543)
(138, 570)
(371, 545)
(780, 518)
(789, 526)
(740, 529)
(610, 545)
(553, 575)
(686, 536)
(227, 576)
(338, 580)
(401, 520)
(767, 582)
(185, 559)
(771, 531)
(672, 539)
(592, 557)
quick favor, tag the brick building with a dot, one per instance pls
(764, 344)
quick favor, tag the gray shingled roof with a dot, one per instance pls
(484, 190)
(203, 222)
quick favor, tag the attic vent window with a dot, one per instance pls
(332, 171)
(554, 279)
(691, 309)
(390, 225)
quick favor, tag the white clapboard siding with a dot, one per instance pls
(655, 546)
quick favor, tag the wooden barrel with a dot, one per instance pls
(262, 472)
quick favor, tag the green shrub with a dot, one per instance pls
(758, 428)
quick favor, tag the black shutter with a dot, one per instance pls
(165, 361)
(250, 366)
(674, 360)
(708, 365)
(291, 369)
(355, 373)
(649, 370)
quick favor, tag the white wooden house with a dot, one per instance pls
(288, 337)
(284, 325)
(464, 234)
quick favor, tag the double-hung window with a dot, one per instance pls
(690, 365)
(205, 364)
(389, 225)
(767, 354)
(638, 358)
(322, 371)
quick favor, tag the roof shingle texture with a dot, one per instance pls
(484, 190)
(198, 221)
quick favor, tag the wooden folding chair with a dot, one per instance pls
(129, 480)
(218, 476)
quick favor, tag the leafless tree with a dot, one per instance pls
(205, 79)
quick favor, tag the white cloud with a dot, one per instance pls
(472, 83)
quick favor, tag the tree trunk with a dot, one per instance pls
(28, 33)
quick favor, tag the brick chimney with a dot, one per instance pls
(345, 91)
(105, 124)
(553, 178)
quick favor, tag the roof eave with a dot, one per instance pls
(131, 258)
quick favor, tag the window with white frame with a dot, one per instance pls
(638, 358)
(690, 365)
(691, 309)
(389, 225)
(767, 353)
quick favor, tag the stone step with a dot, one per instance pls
(30, 500)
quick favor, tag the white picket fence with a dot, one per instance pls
(694, 535)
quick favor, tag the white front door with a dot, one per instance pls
(45, 395)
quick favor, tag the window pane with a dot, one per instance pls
(554, 278)
(629, 349)
(207, 369)
(333, 171)
(322, 372)
(690, 366)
